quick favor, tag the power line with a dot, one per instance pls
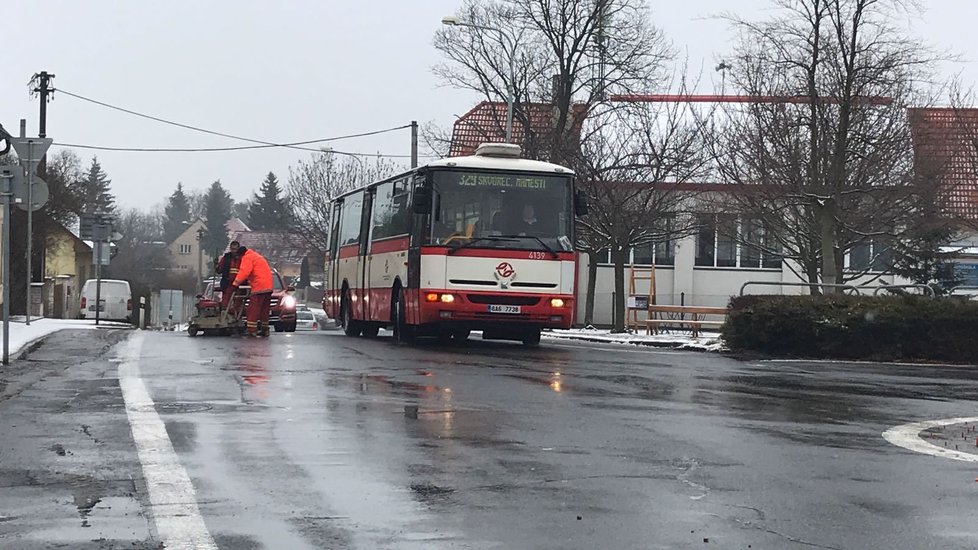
(294, 145)
(223, 149)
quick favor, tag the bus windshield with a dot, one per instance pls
(502, 210)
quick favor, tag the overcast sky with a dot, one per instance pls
(286, 71)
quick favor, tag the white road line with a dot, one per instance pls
(171, 494)
(908, 437)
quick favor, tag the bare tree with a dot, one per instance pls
(313, 182)
(636, 167)
(569, 54)
(142, 257)
(824, 156)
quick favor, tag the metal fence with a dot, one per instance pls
(169, 308)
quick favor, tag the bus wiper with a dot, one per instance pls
(539, 240)
(454, 249)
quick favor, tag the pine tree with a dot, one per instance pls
(268, 209)
(217, 210)
(176, 214)
(95, 190)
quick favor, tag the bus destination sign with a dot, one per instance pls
(502, 181)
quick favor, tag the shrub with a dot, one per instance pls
(882, 328)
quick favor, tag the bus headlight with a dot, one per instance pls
(436, 297)
(556, 302)
(288, 301)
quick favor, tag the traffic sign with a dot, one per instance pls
(101, 251)
(39, 196)
(30, 150)
(87, 224)
(101, 232)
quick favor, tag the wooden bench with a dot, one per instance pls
(691, 317)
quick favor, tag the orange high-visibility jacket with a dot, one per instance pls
(254, 269)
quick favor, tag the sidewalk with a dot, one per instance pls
(675, 340)
(22, 335)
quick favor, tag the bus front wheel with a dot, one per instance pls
(350, 327)
(532, 338)
(403, 332)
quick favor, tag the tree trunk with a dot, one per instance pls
(830, 272)
(811, 270)
(592, 276)
(619, 259)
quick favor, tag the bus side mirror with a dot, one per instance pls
(422, 200)
(580, 204)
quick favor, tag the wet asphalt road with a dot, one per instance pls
(318, 440)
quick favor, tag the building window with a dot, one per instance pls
(726, 241)
(871, 256)
(185, 248)
(706, 240)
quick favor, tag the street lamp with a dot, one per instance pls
(200, 259)
(504, 39)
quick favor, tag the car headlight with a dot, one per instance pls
(288, 301)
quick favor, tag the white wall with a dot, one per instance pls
(691, 285)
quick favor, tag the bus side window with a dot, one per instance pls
(400, 208)
(350, 219)
(334, 233)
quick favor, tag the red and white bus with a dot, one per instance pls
(484, 242)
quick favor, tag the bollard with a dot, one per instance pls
(169, 321)
(142, 313)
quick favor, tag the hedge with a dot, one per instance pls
(879, 328)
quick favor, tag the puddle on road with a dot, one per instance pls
(85, 503)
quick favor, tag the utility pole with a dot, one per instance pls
(414, 144)
(200, 260)
(41, 85)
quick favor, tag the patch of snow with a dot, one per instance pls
(21, 334)
(674, 340)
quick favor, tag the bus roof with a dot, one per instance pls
(478, 162)
(500, 163)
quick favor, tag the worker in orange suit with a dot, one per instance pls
(255, 271)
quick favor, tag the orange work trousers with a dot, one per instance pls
(259, 308)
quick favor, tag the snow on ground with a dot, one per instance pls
(678, 340)
(21, 334)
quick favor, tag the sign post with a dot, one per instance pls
(9, 175)
(30, 151)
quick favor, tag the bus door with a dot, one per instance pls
(362, 285)
(332, 265)
(387, 256)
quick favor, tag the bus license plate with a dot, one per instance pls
(504, 309)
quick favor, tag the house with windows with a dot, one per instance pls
(185, 249)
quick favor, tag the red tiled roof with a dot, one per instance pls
(280, 248)
(486, 122)
(945, 139)
(235, 225)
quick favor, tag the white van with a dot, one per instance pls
(116, 299)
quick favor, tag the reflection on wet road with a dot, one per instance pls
(324, 441)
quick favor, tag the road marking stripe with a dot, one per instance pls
(171, 494)
(908, 437)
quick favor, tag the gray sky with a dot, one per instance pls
(286, 71)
